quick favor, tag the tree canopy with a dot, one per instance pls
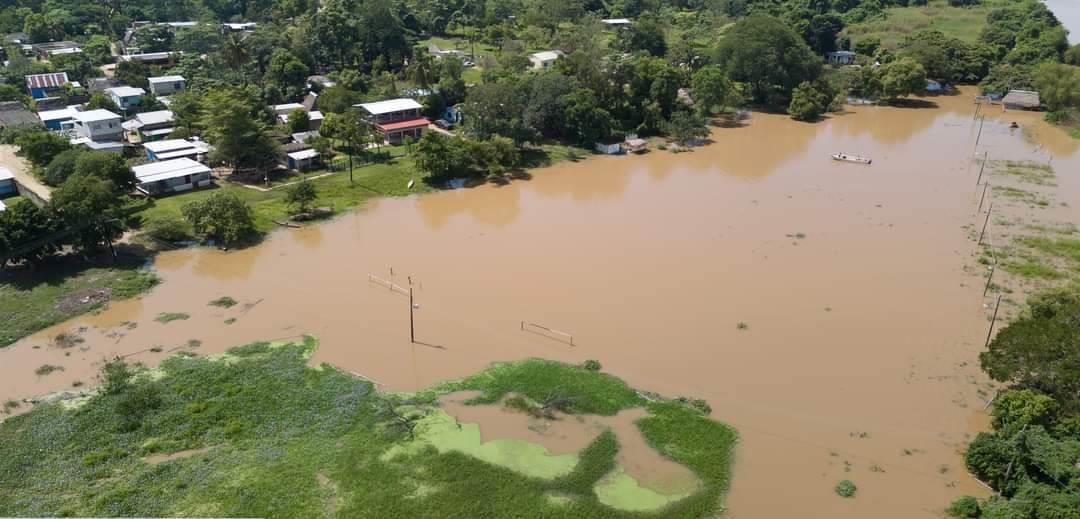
(769, 56)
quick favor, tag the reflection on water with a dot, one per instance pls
(860, 317)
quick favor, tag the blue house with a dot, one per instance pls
(43, 85)
(125, 97)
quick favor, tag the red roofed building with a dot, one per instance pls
(40, 85)
(396, 119)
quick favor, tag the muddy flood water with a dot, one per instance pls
(862, 317)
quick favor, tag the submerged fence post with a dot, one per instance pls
(412, 327)
(983, 198)
(987, 222)
(988, 278)
(985, 155)
(992, 321)
(979, 136)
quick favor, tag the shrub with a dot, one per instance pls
(965, 507)
(117, 375)
(846, 488)
(168, 229)
(592, 365)
(221, 216)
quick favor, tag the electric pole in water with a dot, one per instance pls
(412, 328)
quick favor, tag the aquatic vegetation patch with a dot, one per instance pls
(168, 317)
(290, 440)
(223, 302)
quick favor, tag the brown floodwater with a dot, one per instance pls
(863, 317)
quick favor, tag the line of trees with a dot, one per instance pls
(1032, 455)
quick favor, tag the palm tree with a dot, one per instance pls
(234, 51)
(422, 70)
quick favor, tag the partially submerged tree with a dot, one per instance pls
(301, 195)
(222, 216)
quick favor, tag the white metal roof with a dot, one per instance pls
(2, 206)
(286, 108)
(159, 131)
(156, 117)
(390, 106)
(547, 55)
(315, 115)
(6, 174)
(166, 169)
(303, 154)
(168, 145)
(186, 152)
(100, 114)
(165, 79)
(616, 21)
(148, 56)
(125, 91)
(62, 114)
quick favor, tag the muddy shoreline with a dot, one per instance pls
(863, 319)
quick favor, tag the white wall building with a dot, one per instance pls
(98, 125)
(544, 59)
(171, 176)
(167, 85)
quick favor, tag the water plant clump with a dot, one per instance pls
(846, 488)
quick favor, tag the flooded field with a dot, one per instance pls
(830, 312)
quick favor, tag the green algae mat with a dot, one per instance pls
(258, 433)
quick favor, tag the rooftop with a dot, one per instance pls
(170, 145)
(546, 55)
(63, 113)
(286, 108)
(125, 91)
(1024, 98)
(151, 118)
(6, 174)
(12, 113)
(148, 56)
(166, 169)
(303, 154)
(100, 114)
(165, 79)
(390, 106)
(616, 21)
(407, 124)
(50, 80)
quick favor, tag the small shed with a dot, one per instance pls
(608, 148)
(41, 85)
(544, 59)
(1021, 100)
(171, 176)
(840, 57)
(302, 160)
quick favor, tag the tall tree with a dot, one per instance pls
(92, 205)
(772, 59)
(349, 128)
(239, 138)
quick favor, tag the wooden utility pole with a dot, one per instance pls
(988, 278)
(983, 198)
(993, 321)
(412, 327)
(985, 155)
(979, 136)
(987, 222)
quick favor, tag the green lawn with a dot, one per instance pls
(31, 301)
(277, 438)
(964, 23)
(370, 181)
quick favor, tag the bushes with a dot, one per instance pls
(168, 229)
(846, 488)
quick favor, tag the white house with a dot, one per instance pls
(544, 59)
(98, 125)
(616, 22)
(171, 176)
(125, 97)
(396, 119)
(166, 85)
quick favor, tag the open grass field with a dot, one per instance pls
(964, 23)
(258, 433)
(31, 301)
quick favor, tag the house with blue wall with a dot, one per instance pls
(41, 86)
(125, 97)
(7, 183)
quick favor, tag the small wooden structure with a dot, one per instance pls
(1021, 100)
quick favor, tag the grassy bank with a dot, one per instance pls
(60, 290)
(370, 181)
(964, 23)
(242, 430)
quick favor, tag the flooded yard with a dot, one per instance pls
(831, 312)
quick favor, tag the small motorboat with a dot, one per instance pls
(851, 158)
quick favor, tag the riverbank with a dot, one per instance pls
(183, 439)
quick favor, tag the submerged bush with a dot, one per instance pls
(846, 488)
(592, 365)
(965, 507)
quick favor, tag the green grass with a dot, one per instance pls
(370, 181)
(1066, 248)
(1033, 269)
(1029, 171)
(31, 301)
(289, 440)
(964, 23)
